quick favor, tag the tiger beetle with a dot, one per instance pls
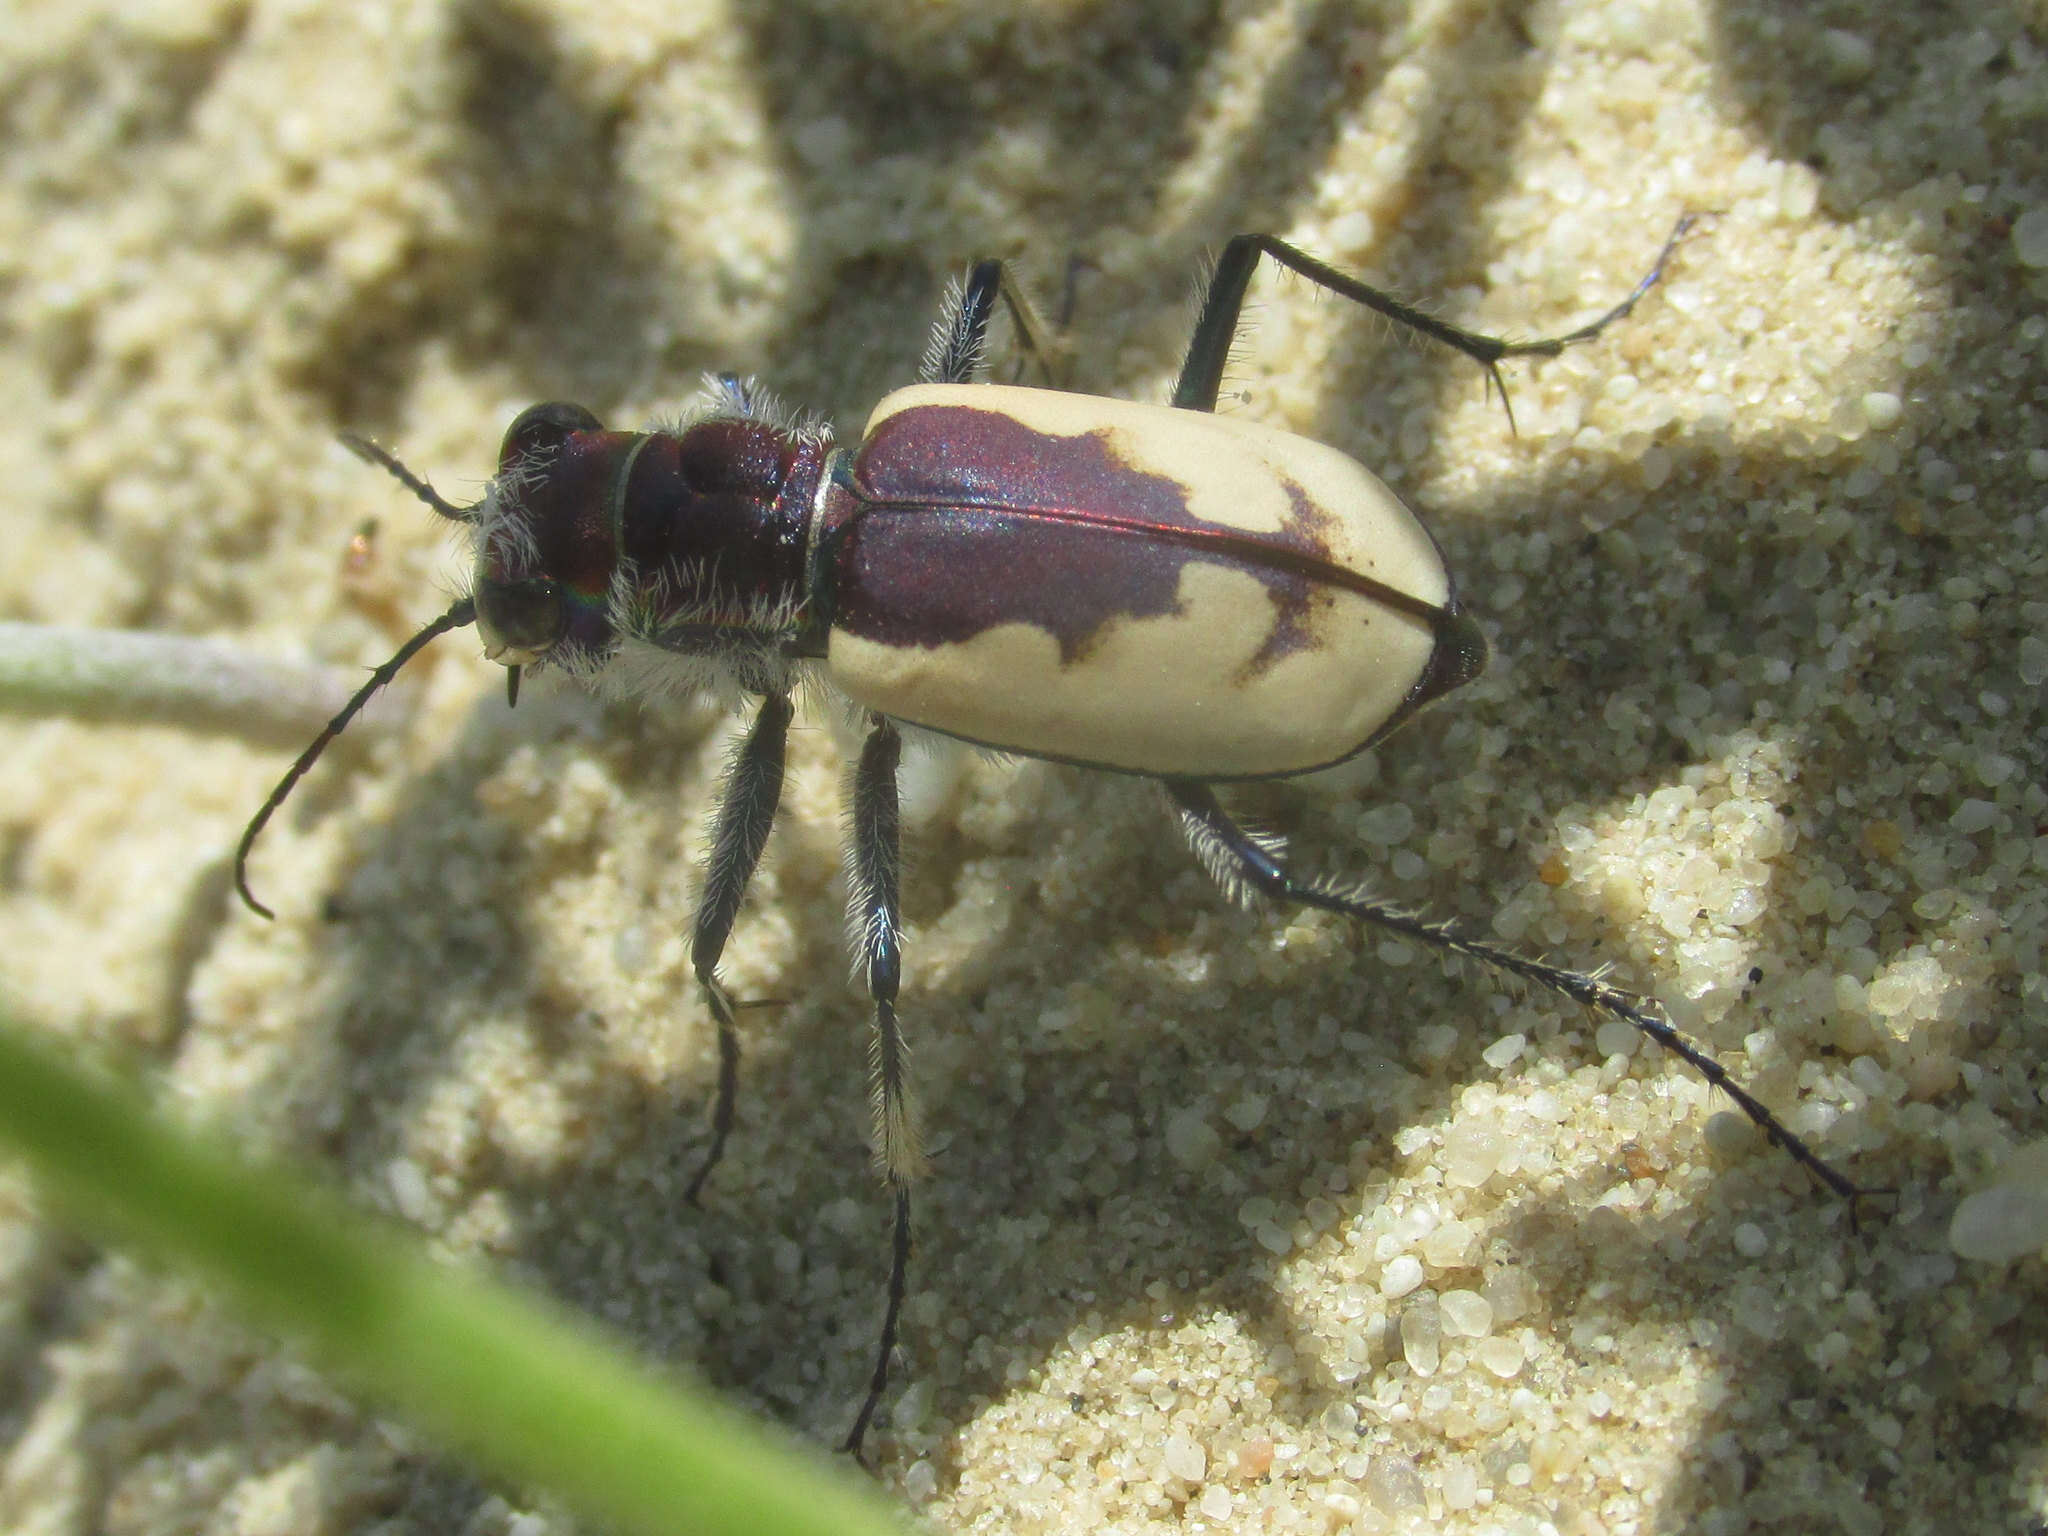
(1151, 590)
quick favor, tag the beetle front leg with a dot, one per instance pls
(874, 931)
(746, 812)
(1201, 372)
(1243, 864)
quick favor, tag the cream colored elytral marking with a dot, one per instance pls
(1173, 694)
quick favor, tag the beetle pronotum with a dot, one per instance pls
(1148, 590)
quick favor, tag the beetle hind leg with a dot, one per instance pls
(1247, 862)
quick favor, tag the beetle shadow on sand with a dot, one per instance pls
(754, 1293)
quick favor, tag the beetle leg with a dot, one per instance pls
(959, 337)
(746, 810)
(1237, 858)
(959, 341)
(1201, 373)
(874, 934)
(873, 923)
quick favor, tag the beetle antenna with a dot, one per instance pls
(1551, 346)
(384, 459)
(464, 612)
(899, 1285)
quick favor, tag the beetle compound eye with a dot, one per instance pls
(519, 620)
(540, 428)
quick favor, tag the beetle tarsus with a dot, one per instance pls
(372, 453)
(722, 1112)
(899, 1272)
(1556, 344)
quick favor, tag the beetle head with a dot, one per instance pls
(546, 550)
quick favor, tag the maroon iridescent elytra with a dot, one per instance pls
(1152, 590)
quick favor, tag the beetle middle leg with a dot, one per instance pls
(959, 342)
(1201, 372)
(874, 932)
(1244, 864)
(746, 812)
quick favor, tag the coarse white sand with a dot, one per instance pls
(1243, 1222)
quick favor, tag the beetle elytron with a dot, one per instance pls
(1151, 590)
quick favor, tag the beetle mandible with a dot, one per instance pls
(1147, 590)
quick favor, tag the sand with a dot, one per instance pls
(1238, 1221)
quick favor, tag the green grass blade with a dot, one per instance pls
(526, 1391)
